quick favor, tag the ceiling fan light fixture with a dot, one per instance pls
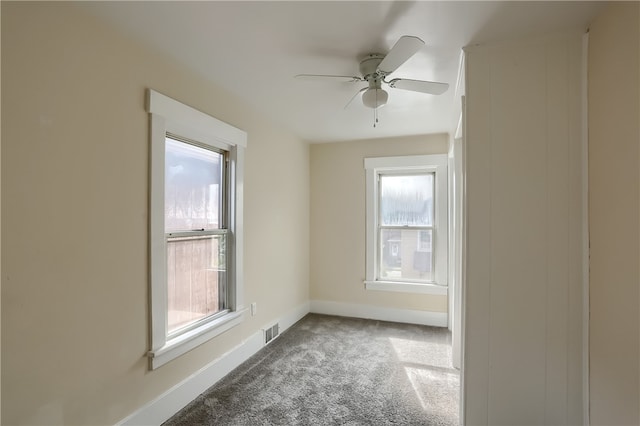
(375, 98)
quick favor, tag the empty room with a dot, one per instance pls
(331, 212)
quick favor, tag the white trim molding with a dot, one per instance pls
(194, 124)
(585, 232)
(407, 316)
(166, 405)
(194, 338)
(402, 287)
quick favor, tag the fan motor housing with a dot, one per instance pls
(369, 66)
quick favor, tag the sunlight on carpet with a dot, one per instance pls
(428, 366)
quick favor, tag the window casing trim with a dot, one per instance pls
(168, 116)
(406, 165)
(182, 120)
(406, 287)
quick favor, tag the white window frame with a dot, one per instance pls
(374, 167)
(170, 116)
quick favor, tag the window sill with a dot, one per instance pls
(193, 338)
(402, 287)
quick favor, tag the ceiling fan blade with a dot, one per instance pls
(355, 96)
(405, 47)
(430, 87)
(320, 77)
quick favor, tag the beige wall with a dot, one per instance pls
(338, 221)
(614, 185)
(75, 191)
(523, 318)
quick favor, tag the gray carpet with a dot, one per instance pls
(328, 370)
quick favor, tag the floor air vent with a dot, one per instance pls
(271, 333)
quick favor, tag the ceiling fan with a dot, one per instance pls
(376, 67)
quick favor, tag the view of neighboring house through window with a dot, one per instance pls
(406, 223)
(405, 227)
(195, 194)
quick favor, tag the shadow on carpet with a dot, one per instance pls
(328, 370)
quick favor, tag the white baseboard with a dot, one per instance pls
(166, 405)
(437, 319)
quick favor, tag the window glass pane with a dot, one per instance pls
(406, 200)
(406, 255)
(193, 187)
(196, 276)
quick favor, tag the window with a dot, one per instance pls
(196, 233)
(195, 227)
(407, 224)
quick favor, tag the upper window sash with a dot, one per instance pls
(190, 163)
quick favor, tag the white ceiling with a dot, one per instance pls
(253, 49)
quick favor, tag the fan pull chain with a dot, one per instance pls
(375, 111)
